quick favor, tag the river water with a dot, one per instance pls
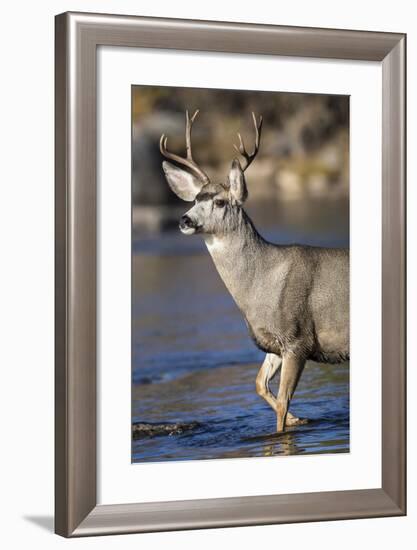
(194, 362)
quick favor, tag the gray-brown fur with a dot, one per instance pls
(295, 299)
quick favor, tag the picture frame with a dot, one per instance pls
(77, 37)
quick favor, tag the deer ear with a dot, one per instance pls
(184, 184)
(237, 183)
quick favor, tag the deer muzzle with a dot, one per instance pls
(187, 225)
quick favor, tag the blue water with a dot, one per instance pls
(193, 360)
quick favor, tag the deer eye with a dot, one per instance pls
(220, 203)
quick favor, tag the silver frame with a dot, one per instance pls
(77, 38)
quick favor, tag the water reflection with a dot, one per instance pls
(285, 445)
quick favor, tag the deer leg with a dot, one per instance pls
(292, 367)
(266, 373)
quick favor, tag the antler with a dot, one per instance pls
(241, 149)
(188, 161)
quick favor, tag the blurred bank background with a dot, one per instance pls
(193, 361)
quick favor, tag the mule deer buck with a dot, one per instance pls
(295, 299)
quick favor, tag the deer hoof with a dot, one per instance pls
(294, 421)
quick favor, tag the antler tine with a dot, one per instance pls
(188, 161)
(188, 126)
(241, 148)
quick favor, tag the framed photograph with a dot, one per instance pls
(230, 274)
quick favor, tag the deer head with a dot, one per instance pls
(217, 205)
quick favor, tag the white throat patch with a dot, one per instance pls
(214, 244)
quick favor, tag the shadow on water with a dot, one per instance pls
(194, 363)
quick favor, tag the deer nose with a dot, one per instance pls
(186, 221)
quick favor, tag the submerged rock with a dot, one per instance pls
(149, 429)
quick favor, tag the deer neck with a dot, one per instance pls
(236, 256)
